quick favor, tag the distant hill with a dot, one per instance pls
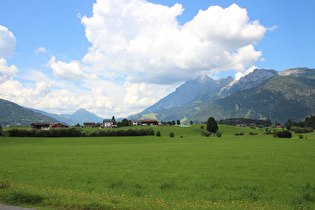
(80, 116)
(15, 115)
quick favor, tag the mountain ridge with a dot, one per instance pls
(188, 110)
(80, 116)
(279, 98)
(16, 115)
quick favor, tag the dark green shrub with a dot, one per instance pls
(251, 133)
(308, 129)
(150, 132)
(301, 136)
(171, 134)
(219, 134)
(158, 133)
(297, 129)
(13, 132)
(202, 127)
(205, 133)
(239, 134)
(284, 134)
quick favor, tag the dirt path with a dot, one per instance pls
(4, 207)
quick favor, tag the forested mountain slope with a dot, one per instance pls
(15, 115)
(280, 98)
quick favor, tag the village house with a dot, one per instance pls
(42, 126)
(58, 125)
(89, 124)
(149, 122)
(108, 123)
(135, 122)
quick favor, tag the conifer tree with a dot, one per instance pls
(212, 125)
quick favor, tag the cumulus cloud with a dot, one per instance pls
(69, 71)
(239, 75)
(7, 42)
(50, 95)
(40, 50)
(138, 49)
(138, 95)
(45, 96)
(7, 72)
(145, 40)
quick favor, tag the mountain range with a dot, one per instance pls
(16, 115)
(80, 116)
(262, 94)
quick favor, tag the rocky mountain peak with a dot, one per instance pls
(204, 78)
(250, 80)
(301, 71)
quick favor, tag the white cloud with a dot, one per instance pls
(138, 95)
(138, 52)
(273, 28)
(7, 72)
(69, 71)
(40, 50)
(7, 42)
(239, 75)
(145, 41)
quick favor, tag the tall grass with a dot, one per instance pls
(153, 172)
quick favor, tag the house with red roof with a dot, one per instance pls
(58, 125)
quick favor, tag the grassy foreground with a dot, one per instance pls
(185, 172)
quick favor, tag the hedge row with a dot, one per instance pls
(76, 132)
(298, 129)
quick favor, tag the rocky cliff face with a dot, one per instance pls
(251, 80)
(188, 92)
(301, 72)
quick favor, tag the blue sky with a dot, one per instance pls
(121, 57)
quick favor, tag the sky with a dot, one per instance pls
(117, 57)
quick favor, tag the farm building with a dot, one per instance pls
(89, 124)
(149, 122)
(42, 126)
(58, 125)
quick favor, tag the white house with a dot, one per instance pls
(108, 124)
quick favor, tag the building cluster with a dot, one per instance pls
(106, 124)
(46, 126)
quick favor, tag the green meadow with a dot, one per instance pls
(188, 171)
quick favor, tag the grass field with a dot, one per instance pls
(185, 172)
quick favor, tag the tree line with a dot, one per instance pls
(77, 132)
(308, 125)
(245, 121)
